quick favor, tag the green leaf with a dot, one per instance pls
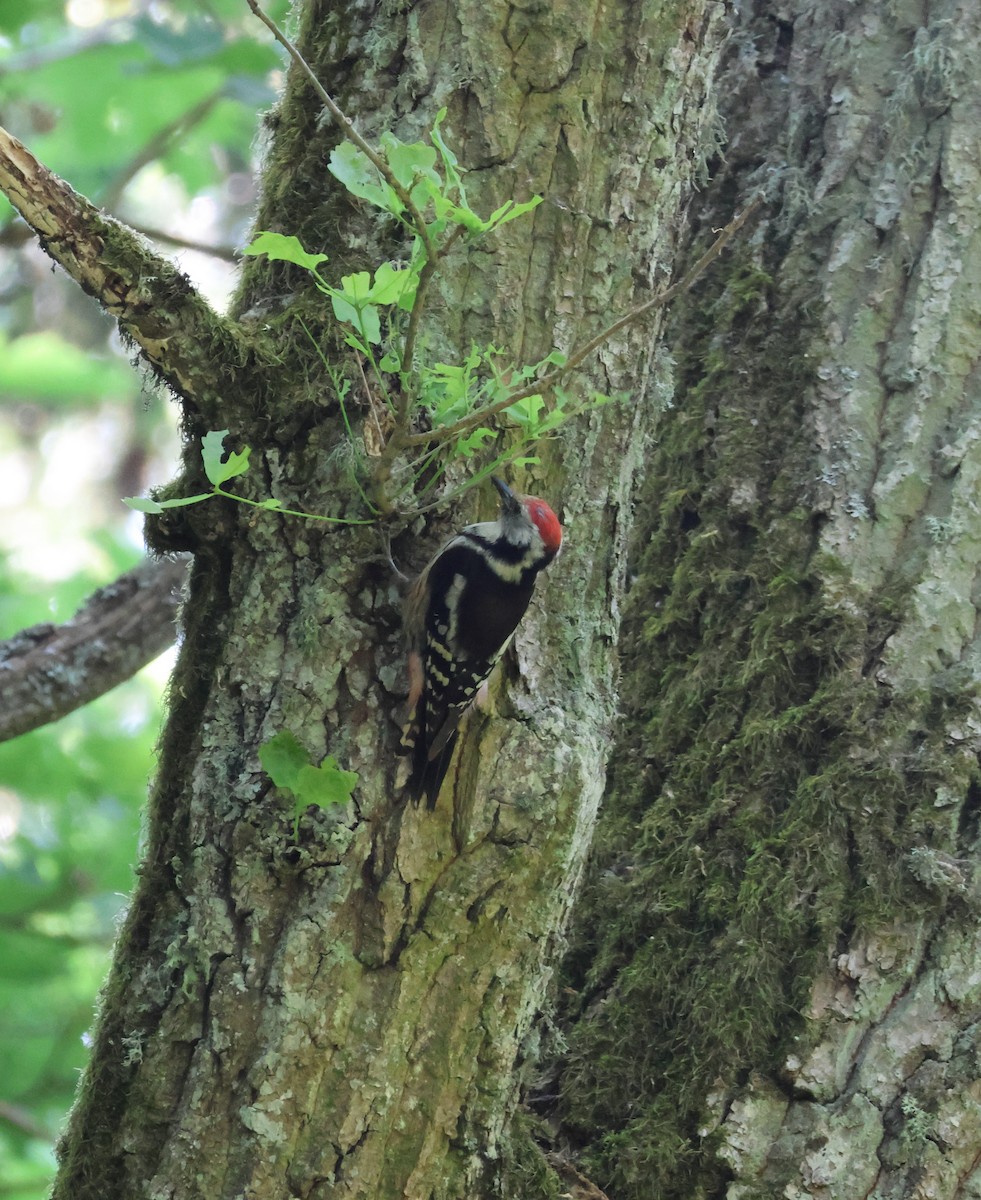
(450, 161)
(351, 166)
(598, 399)
(184, 501)
(281, 247)
(212, 454)
(344, 310)
(145, 505)
(552, 420)
(351, 306)
(357, 344)
(426, 191)
(369, 324)
(410, 162)
(288, 765)
(391, 284)
(469, 445)
(526, 411)
(325, 785)
(283, 758)
(418, 256)
(448, 390)
(407, 297)
(509, 211)
(356, 287)
(463, 215)
(390, 363)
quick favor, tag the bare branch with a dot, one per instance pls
(24, 1122)
(16, 233)
(48, 671)
(581, 353)
(225, 253)
(158, 145)
(181, 336)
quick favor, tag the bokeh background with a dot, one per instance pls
(153, 111)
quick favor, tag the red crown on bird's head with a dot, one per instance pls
(545, 521)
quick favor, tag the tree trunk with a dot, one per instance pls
(778, 960)
(340, 1014)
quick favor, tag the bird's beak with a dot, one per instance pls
(509, 501)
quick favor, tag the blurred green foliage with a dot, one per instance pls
(149, 110)
(43, 366)
(69, 816)
(127, 84)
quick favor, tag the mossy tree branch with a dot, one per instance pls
(185, 342)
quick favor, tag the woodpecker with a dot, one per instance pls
(459, 616)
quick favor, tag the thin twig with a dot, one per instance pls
(425, 278)
(408, 349)
(287, 512)
(350, 132)
(484, 473)
(577, 357)
(339, 390)
(225, 253)
(158, 145)
(397, 439)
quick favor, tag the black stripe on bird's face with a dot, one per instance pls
(515, 563)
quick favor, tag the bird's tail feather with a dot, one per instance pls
(430, 760)
(428, 773)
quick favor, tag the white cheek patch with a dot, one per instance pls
(514, 571)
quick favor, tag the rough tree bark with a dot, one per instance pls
(783, 913)
(341, 1015)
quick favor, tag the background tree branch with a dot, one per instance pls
(48, 671)
(180, 335)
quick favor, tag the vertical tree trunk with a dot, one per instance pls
(340, 1015)
(778, 966)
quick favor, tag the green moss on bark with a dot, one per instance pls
(767, 788)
